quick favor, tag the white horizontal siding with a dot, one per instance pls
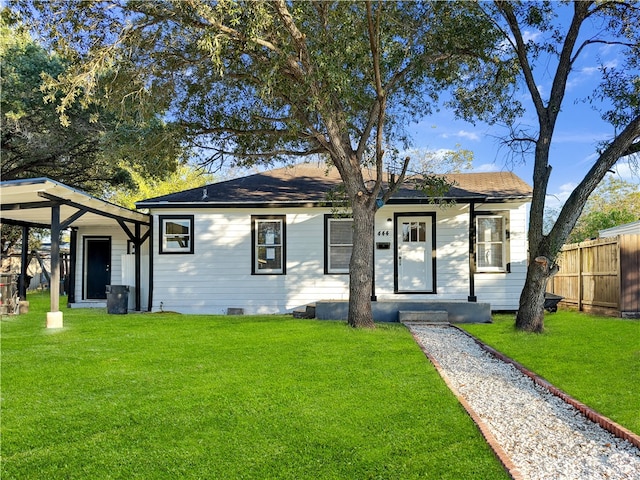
(121, 273)
(502, 290)
(217, 276)
(118, 248)
(452, 254)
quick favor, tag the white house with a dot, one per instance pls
(271, 243)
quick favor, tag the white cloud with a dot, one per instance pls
(588, 71)
(566, 136)
(543, 91)
(556, 199)
(486, 167)
(588, 160)
(462, 134)
(627, 172)
(531, 36)
(440, 154)
(468, 135)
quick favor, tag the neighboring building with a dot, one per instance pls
(270, 243)
(632, 228)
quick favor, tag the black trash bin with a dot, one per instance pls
(117, 299)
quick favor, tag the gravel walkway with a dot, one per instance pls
(542, 436)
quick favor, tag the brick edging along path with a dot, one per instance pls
(606, 423)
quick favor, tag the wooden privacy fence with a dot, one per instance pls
(600, 276)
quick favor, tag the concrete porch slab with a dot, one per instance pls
(388, 310)
(430, 316)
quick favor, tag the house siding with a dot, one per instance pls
(118, 247)
(502, 290)
(217, 276)
(122, 266)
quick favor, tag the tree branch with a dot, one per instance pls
(381, 99)
(298, 38)
(565, 61)
(521, 52)
(599, 41)
(627, 140)
(633, 148)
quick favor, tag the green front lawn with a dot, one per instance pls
(159, 396)
(594, 359)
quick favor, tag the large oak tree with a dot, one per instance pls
(263, 81)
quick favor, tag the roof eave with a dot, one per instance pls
(317, 203)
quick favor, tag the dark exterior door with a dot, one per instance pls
(97, 267)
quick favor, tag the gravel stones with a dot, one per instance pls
(544, 437)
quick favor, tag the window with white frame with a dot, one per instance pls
(491, 243)
(268, 235)
(176, 233)
(338, 244)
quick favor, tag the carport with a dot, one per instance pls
(45, 203)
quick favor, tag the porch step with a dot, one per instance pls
(308, 312)
(89, 304)
(423, 316)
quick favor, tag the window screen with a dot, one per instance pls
(339, 244)
(177, 234)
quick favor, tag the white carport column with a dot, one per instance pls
(54, 316)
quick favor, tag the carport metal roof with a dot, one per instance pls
(28, 202)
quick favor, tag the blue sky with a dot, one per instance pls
(573, 152)
(577, 135)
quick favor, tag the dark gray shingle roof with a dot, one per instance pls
(308, 183)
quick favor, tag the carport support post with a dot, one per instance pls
(22, 283)
(54, 317)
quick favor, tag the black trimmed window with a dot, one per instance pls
(491, 243)
(268, 234)
(176, 233)
(338, 244)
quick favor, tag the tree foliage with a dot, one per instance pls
(85, 151)
(612, 203)
(262, 81)
(183, 178)
(548, 40)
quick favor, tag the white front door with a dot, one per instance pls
(415, 253)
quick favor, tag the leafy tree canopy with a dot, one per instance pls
(613, 203)
(85, 151)
(183, 178)
(269, 80)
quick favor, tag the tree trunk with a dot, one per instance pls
(530, 316)
(361, 265)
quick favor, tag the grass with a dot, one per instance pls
(594, 359)
(158, 396)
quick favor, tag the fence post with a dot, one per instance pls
(580, 285)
